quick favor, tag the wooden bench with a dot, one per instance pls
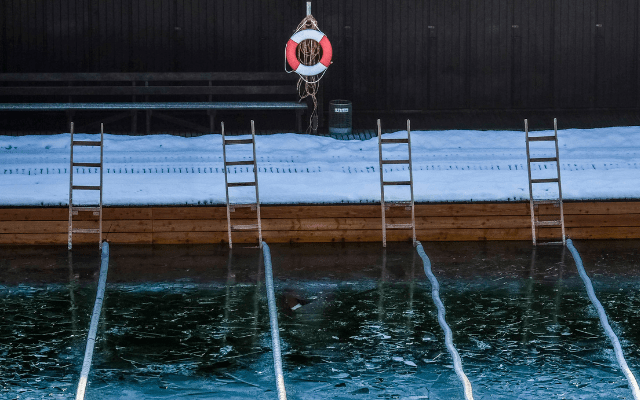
(152, 93)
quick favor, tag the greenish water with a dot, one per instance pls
(356, 322)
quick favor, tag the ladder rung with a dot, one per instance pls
(546, 202)
(399, 226)
(85, 208)
(543, 159)
(234, 184)
(241, 205)
(244, 227)
(82, 230)
(238, 141)
(394, 140)
(395, 161)
(542, 138)
(398, 204)
(550, 180)
(228, 163)
(87, 143)
(555, 222)
(87, 164)
(397, 183)
(549, 243)
(85, 187)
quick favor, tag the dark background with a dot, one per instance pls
(474, 63)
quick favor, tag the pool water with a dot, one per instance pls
(355, 321)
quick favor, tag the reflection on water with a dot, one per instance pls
(356, 322)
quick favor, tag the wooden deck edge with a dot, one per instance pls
(320, 223)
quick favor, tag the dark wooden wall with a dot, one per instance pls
(389, 54)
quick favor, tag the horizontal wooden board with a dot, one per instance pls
(62, 214)
(343, 211)
(117, 226)
(321, 223)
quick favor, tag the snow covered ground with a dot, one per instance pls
(293, 168)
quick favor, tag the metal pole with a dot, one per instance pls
(308, 8)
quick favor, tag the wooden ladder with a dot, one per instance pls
(408, 205)
(535, 203)
(95, 209)
(231, 207)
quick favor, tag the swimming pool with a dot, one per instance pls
(355, 321)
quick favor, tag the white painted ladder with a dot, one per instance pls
(231, 207)
(408, 205)
(534, 203)
(95, 209)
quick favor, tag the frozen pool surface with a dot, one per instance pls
(192, 322)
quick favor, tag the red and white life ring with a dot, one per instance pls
(309, 70)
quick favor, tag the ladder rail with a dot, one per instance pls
(533, 224)
(255, 176)
(384, 222)
(101, 179)
(555, 130)
(70, 234)
(226, 184)
(413, 213)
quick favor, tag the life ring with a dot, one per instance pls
(309, 70)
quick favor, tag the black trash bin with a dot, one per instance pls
(340, 112)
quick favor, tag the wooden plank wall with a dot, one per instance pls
(389, 54)
(319, 223)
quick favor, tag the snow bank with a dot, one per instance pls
(447, 166)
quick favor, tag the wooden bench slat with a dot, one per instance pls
(239, 105)
(146, 76)
(143, 90)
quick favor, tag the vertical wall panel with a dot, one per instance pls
(636, 57)
(418, 67)
(575, 53)
(615, 53)
(359, 88)
(533, 54)
(23, 32)
(3, 36)
(219, 32)
(389, 54)
(490, 63)
(8, 44)
(450, 54)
